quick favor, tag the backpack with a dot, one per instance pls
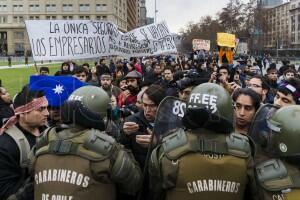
(18, 136)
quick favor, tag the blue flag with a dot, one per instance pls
(57, 89)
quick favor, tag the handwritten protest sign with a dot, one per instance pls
(76, 39)
(199, 44)
(226, 40)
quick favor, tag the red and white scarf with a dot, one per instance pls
(33, 105)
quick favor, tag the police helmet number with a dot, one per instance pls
(178, 108)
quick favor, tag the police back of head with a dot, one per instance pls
(211, 107)
(285, 128)
(87, 107)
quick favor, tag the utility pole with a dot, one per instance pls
(277, 44)
(155, 12)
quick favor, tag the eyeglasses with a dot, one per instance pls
(253, 86)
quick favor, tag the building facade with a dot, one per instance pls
(295, 24)
(150, 20)
(277, 33)
(270, 3)
(143, 13)
(283, 26)
(13, 13)
(132, 14)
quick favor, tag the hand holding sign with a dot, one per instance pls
(226, 40)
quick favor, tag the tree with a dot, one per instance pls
(206, 29)
(245, 20)
(232, 18)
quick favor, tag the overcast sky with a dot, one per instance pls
(177, 13)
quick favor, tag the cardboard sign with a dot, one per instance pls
(78, 39)
(199, 44)
(226, 40)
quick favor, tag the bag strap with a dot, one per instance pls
(18, 136)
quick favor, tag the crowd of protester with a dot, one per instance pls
(137, 86)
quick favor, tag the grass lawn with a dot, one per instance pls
(14, 79)
(2, 63)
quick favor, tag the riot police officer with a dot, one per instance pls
(79, 160)
(207, 161)
(279, 177)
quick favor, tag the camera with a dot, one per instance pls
(190, 77)
(126, 111)
(218, 76)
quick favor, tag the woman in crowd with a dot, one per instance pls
(6, 110)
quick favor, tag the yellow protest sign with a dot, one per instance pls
(226, 40)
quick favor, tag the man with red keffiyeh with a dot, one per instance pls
(18, 136)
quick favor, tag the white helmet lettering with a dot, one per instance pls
(209, 101)
(75, 97)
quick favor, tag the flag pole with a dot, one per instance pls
(36, 68)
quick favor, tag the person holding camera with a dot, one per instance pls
(137, 129)
(221, 77)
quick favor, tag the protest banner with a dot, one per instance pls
(242, 48)
(77, 39)
(199, 44)
(226, 40)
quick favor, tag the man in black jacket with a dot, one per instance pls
(102, 68)
(17, 139)
(137, 129)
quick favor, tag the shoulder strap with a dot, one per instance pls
(90, 144)
(174, 140)
(18, 136)
(100, 142)
(178, 144)
(42, 140)
(273, 176)
(238, 145)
